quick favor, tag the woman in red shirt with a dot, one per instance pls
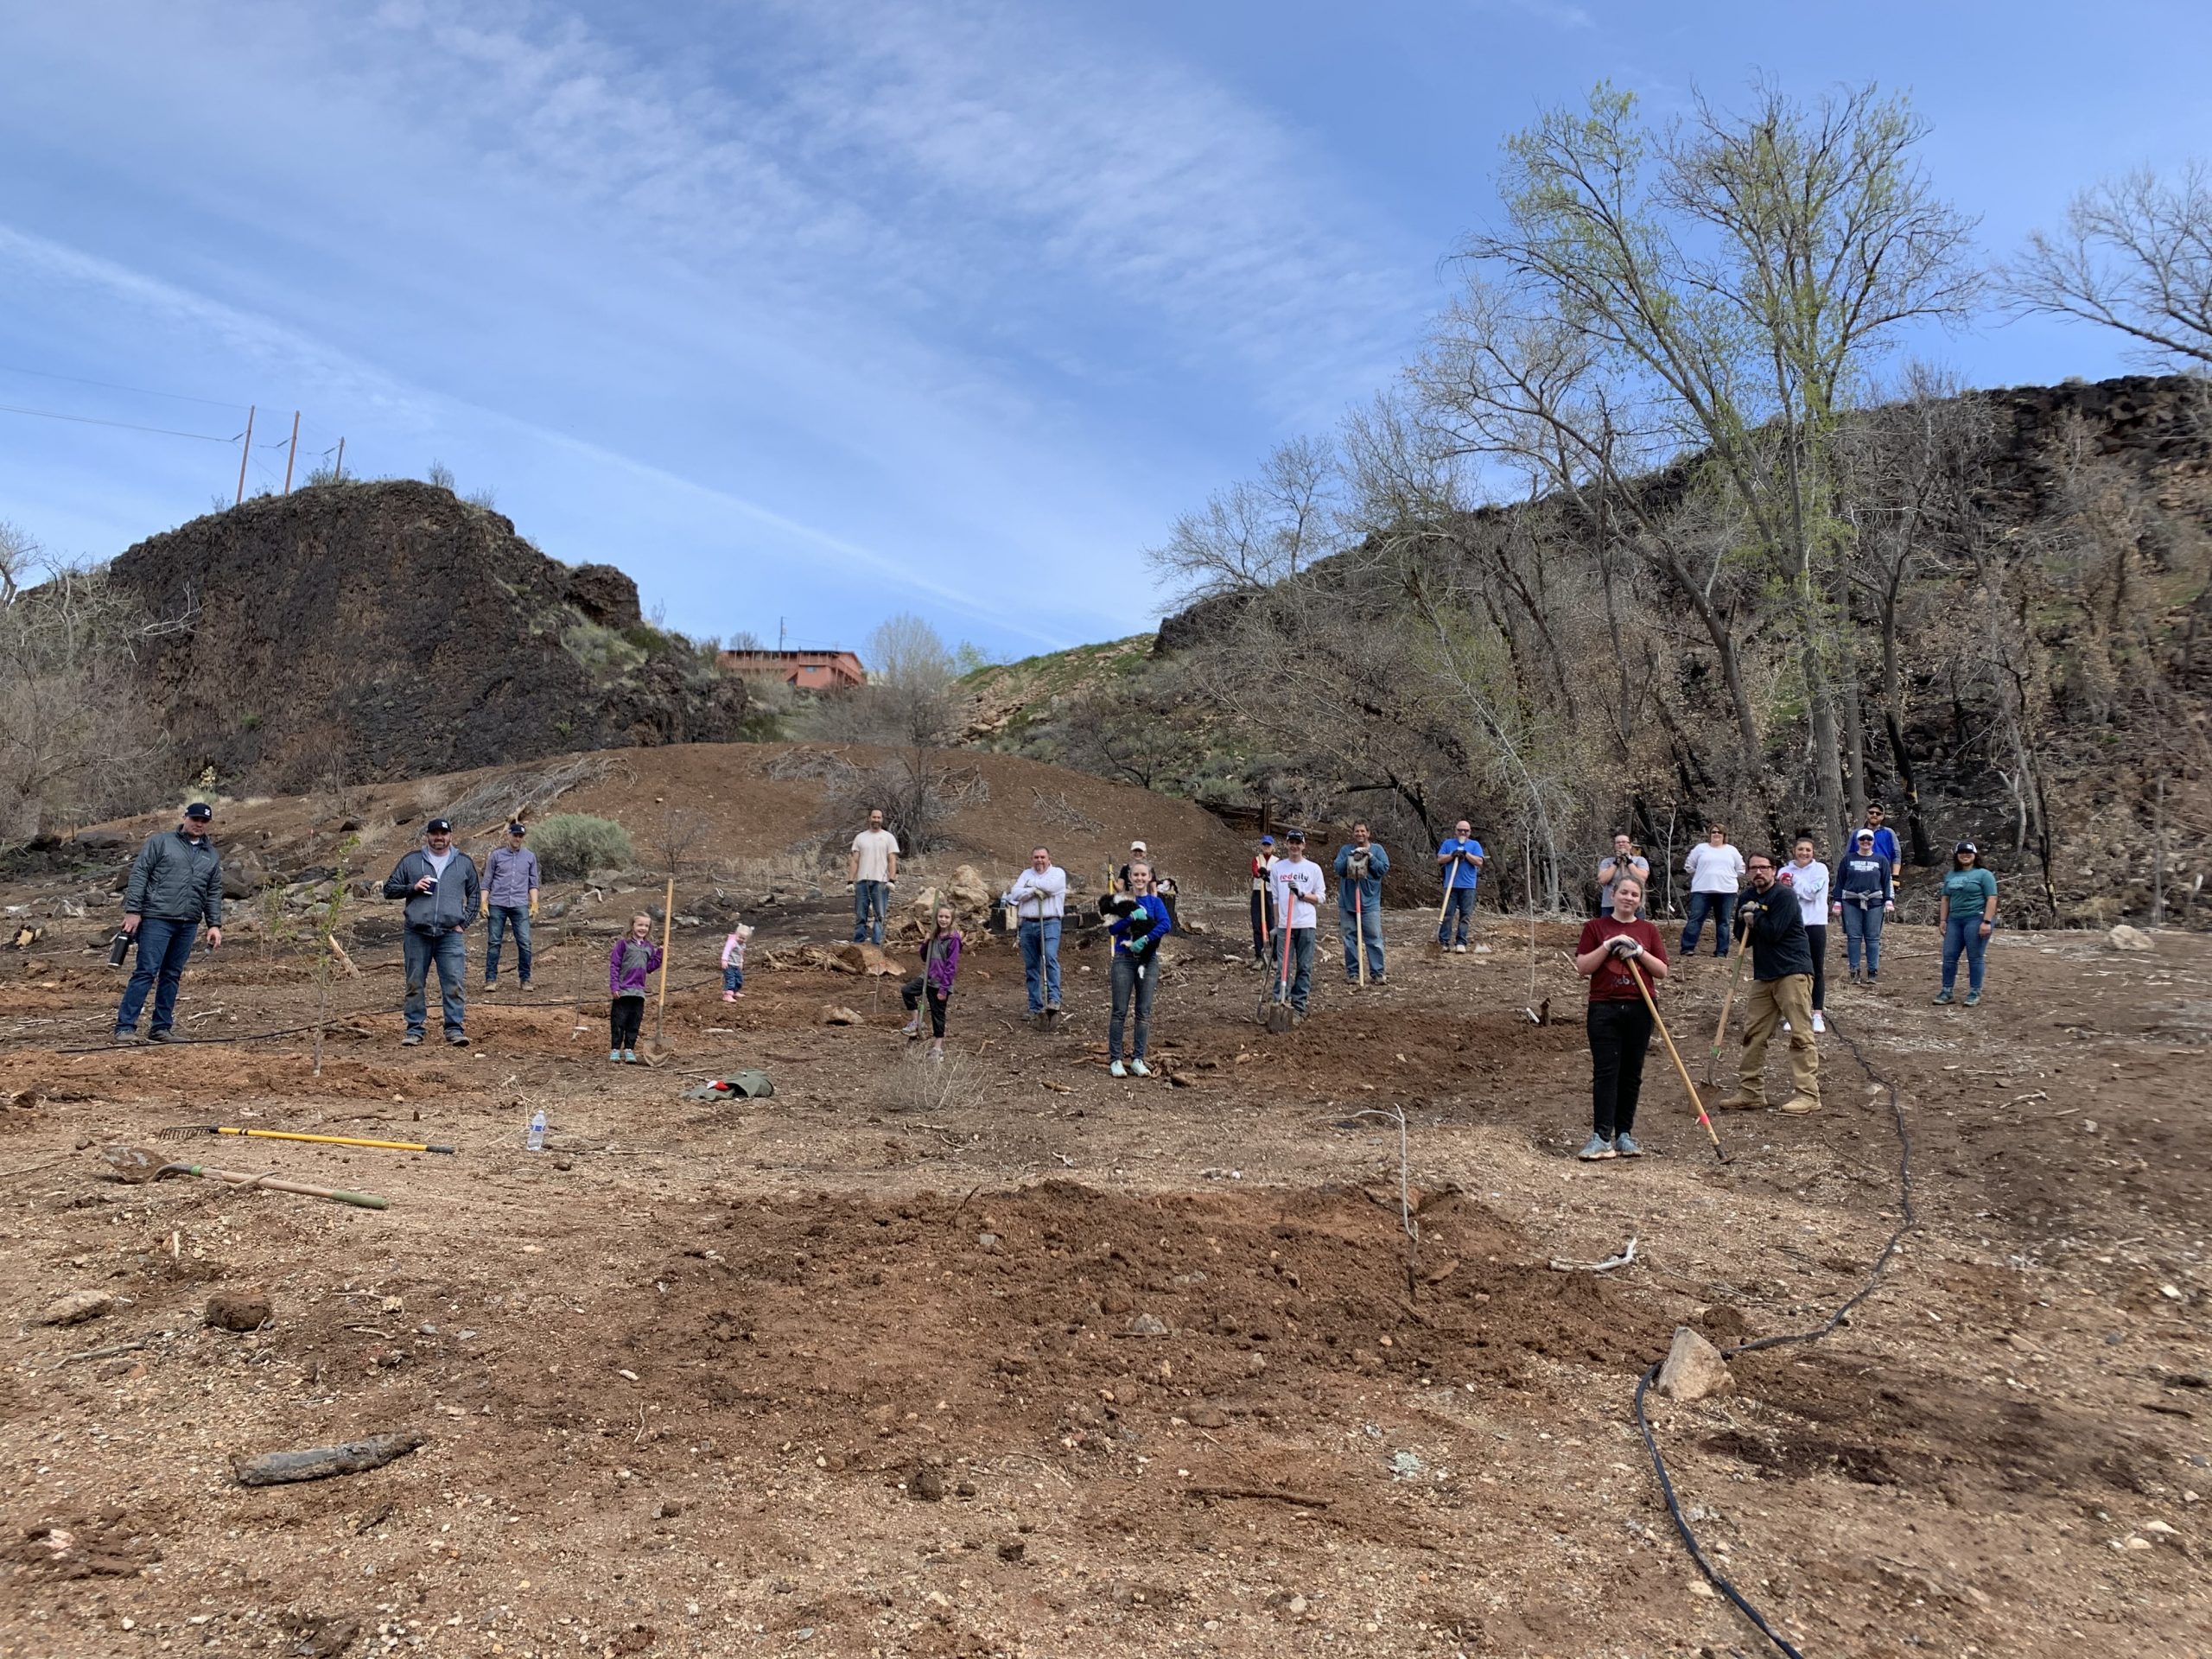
(1619, 1020)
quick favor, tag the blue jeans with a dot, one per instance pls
(871, 905)
(448, 949)
(1723, 908)
(164, 948)
(1961, 934)
(733, 978)
(499, 920)
(1862, 925)
(1128, 987)
(1040, 961)
(1301, 964)
(1368, 922)
(1460, 908)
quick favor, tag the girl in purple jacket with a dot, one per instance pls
(631, 964)
(940, 961)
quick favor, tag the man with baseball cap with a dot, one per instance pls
(176, 883)
(438, 883)
(1139, 854)
(509, 901)
(1264, 906)
(1298, 887)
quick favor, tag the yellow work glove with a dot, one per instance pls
(533, 905)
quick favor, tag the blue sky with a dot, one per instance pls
(822, 311)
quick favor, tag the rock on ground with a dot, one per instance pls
(1694, 1369)
(2125, 937)
(238, 1310)
(76, 1307)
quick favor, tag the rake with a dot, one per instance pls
(185, 1131)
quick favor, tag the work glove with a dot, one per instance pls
(533, 905)
(1626, 948)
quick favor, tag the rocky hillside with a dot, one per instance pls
(359, 631)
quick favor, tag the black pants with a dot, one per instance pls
(912, 994)
(1818, 936)
(625, 1017)
(1619, 1033)
(1263, 922)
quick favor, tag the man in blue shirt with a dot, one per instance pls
(1885, 840)
(510, 902)
(1459, 859)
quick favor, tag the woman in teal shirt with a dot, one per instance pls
(1964, 914)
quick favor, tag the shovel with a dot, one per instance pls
(657, 1049)
(1275, 1012)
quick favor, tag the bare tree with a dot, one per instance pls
(1256, 532)
(677, 838)
(77, 730)
(2136, 255)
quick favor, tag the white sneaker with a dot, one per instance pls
(1138, 1069)
(1819, 1023)
(1117, 1070)
(1460, 950)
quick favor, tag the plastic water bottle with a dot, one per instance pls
(535, 1141)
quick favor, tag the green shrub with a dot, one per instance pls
(571, 845)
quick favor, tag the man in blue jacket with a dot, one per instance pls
(438, 883)
(176, 883)
(1361, 865)
(1460, 858)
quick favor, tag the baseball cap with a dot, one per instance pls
(1966, 846)
(1297, 836)
(199, 810)
(1864, 835)
(437, 827)
(1139, 847)
(518, 828)
(1267, 841)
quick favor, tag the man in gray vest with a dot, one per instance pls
(176, 883)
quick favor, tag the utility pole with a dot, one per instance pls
(780, 632)
(244, 450)
(338, 473)
(2158, 857)
(292, 454)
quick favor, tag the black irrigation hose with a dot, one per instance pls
(1907, 1221)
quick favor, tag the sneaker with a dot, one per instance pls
(1625, 1146)
(490, 986)
(1376, 982)
(1117, 1070)
(1138, 1069)
(1819, 1023)
(912, 1028)
(1943, 996)
(527, 987)
(729, 996)
(615, 1057)
(937, 1050)
(165, 1035)
(412, 1039)
(459, 1039)
(1460, 950)
(1798, 1105)
(629, 1057)
(1596, 1149)
(128, 1040)
(1973, 1000)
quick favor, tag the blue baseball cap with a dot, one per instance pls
(1267, 841)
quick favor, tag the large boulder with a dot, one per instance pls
(971, 900)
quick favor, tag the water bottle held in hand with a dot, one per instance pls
(535, 1141)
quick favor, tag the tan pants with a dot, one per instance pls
(1771, 1002)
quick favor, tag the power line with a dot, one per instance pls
(110, 385)
(127, 426)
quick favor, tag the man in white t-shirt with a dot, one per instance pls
(1039, 898)
(874, 870)
(1716, 872)
(1299, 886)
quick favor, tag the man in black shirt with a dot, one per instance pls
(1772, 923)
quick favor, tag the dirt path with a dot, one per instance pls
(864, 1368)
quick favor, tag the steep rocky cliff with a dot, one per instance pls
(371, 630)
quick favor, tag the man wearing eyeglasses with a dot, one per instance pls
(1772, 923)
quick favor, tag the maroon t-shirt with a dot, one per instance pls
(1612, 982)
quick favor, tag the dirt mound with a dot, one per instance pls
(377, 629)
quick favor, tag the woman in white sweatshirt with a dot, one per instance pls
(1808, 878)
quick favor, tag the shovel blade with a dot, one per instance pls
(1280, 1018)
(656, 1052)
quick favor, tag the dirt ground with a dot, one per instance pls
(1004, 1356)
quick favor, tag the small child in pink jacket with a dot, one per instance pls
(734, 962)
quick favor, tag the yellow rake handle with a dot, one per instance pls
(329, 1140)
